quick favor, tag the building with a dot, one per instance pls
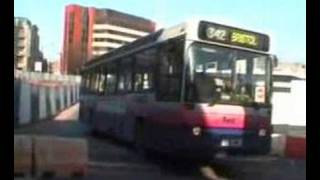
(45, 65)
(289, 95)
(284, 73)
(294, 69)
(26, 44)
(90, 32)
(54, 67)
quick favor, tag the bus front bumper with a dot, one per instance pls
(232, 141)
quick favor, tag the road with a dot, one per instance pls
(110, 159)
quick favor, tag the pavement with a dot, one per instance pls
(110, 159)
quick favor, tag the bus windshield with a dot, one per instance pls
(229, 76)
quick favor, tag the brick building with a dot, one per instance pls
(90, 32)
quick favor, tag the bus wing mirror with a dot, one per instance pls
(274, 60)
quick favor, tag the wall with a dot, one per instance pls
(290, 108)
(40, 96)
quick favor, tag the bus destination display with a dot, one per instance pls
(233, 36)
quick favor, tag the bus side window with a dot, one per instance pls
(111, 79)
(96, 85)
(87, 82)
(92, 81)
(128, 79)
(83, 82)
(101, 86)
(170, 74)
(138, 81)
(121, 81)
(126, 68)
(144, 69)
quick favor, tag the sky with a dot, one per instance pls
(283, 20)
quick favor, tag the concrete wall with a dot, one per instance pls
(290, 107)
(289, 121)
(40, 96)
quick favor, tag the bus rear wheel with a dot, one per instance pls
(139, 139)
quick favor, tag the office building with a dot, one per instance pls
(26, 45)
(91, 32)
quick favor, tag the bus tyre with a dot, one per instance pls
(139, 138)
(84, 115)
(94, 132)
(81, 114)
(92, 125)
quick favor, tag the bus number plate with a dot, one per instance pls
(235, 142)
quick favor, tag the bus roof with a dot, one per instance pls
(188, 28)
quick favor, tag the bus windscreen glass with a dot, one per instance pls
(230, 76)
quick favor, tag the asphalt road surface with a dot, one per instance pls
(110, 159)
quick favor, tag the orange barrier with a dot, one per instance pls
(43, 155)
(60, 156)
(289, 146)
(22, 155)
(295, 147)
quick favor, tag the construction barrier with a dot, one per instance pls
(61, 97)
(39, 96)
(41, 156)
(74, 94)
(22, 155)
(35, 103)
(290, 145)
(24, 104)
(68, 90)
(16, 101)
(278, 144)
(57, 99)
(77, 92)
(43, 103)
(64, 157)
(296, 147)
(52, 98)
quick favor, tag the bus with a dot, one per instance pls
(198, 88)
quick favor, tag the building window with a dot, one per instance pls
(99, 48)
(123, 34)
(71, 26)
(20, 48)
(70, 39)
(100, 39)
(109, 40)
(116, 41)
(102, 31)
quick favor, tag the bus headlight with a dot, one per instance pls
(196, 131)
(262, 132)
(225, 143)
